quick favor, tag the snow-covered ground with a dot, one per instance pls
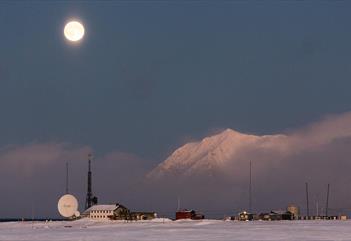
(84, 230)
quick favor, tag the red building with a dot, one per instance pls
(189, 214)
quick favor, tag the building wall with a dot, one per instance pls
(143, 215)
(100, 214)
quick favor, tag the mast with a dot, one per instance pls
(66, 177)
(308, 210)
(89, 197)
(327, 204)
(250, 190)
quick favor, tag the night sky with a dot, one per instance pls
(150, 76)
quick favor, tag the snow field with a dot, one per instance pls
(157, 230)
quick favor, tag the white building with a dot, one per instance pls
(104, 212)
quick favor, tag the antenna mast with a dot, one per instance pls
(308, 210)
(327, 205)
(66, 177)
(89, 197)
(250, 190)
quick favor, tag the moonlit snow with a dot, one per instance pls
(176, 230)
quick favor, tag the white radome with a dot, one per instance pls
(74, 31)
(77, 214)
(67, 206)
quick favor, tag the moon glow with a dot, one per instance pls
(74, 31)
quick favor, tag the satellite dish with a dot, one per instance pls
(76, 214)
(67, 205)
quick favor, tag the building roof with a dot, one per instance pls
(280, 212)
(105, 207)
(185, 211)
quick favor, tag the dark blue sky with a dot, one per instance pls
(150, 75)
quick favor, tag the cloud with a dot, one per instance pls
(33, 176)
(30, 158)
(317, 153)
(323, 132)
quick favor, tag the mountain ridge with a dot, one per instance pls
(213, 153)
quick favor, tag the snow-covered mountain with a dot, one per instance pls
(218, 152)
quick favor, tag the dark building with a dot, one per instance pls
(189, 214)
(246, 216)
(276, 215)
(264, 216)
(143, 215)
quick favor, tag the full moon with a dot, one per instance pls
(74, 31)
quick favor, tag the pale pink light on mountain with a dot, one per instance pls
(227, 151)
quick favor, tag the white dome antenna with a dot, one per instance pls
(67, 206)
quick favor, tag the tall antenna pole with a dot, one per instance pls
(308, 210)
(250, 190)
(66, 177)
(327, 205)
(89, 197)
